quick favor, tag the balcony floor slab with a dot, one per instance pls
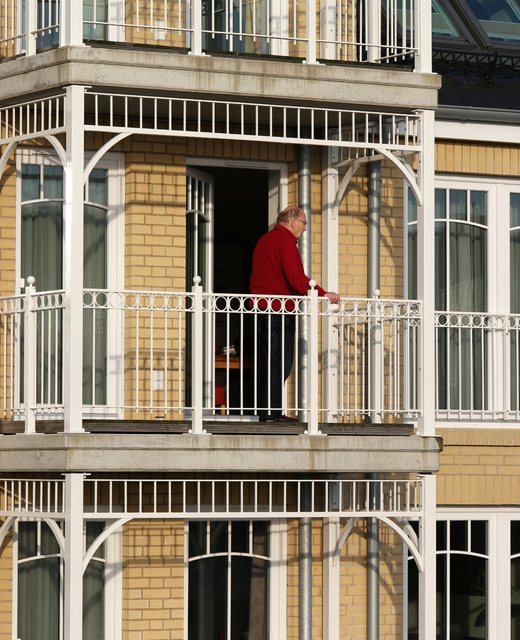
(240, 453)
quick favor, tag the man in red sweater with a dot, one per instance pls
(278, 271)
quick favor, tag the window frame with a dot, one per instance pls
(498, 568)
(113, 584)
(277, 613)
(114, 164)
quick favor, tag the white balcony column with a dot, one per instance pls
(329, 269)
(197, 362)
(312, 364)
(426, 274)
(31, 22)
(423, 30)
(71, 23)
(29, 358)
(428, 548)
(73, 602)
(310, 34)
(196, 24)
(373, 18)
(73, 262)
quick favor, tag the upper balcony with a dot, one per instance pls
(246, 48)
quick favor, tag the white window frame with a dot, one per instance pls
(113, 584)
(277, 577)
(114, 164)
(498, 230)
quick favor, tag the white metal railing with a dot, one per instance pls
(196, 356)
(29, 119)
(339, 30)
(31, 328)
(210, 498)
(247, 498)
(477, 358)
(31, 497)
(193, 117)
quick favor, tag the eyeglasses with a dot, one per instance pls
(304, 222)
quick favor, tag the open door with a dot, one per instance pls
(199, 261)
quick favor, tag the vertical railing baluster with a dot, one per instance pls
(197, 357)
(312, 365)
(30, 357)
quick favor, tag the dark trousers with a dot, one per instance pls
(275, 360)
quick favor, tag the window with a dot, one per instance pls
(41, 240)
(234, 570)
(500, 19)
(245, 26)
(478, 570)
(40, 571)
(477, 295)
(442, 24)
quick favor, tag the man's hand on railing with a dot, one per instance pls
(333, 297)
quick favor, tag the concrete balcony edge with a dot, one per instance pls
(218, 454)
(277, 79)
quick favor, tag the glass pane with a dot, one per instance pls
(39, 593)
(30, 182)
(440, 204)
(248, 598)
(48, 544)
(240, 537)
(458, 535)
(500, 19)
(197, 539)
(515, 581)
(207, 602)
(95, 16)
(468, 582)
(441, 536)
(441, 23)
(218, 537)
(98, 187)
(52, 182)
(478, 207)
(514, 254)
(27, 539)
(468, 268)
(515, 210)
(442, 591)
(261, 538)
(412, 261)
(412, 206)
(515, 538)
(479, 536)
(413, 601)
(94, 601)
(441, 300)
(42, 244)
(458, 204)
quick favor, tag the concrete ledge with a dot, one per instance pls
(223, 453)
(280, 80)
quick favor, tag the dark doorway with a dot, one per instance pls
(240, 218)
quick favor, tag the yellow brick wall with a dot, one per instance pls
(353, 239)
(479, 467)
(153, 580)
(353, 584)
(6, 588)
